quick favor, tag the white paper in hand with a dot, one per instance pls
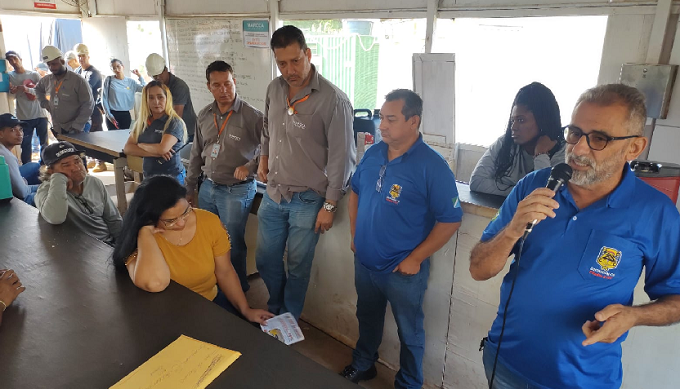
(284, 328)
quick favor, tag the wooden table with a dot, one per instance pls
(80, 324)
(105, 146)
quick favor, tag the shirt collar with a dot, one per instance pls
(385, 148)
(620, 196)
(236, 106)
(163, 118)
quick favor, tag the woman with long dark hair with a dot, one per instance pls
(533, 140)
(158, 134)
(165, 239)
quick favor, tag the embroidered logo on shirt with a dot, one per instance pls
(234, 137)
(159, 131)
(608, 259)
(299, 124)
(456, 202)
(395, 192)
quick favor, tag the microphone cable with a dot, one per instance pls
(505, 310)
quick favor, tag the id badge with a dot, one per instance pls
(215, 150)
(55, 99)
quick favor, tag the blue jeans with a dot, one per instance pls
(405, 295)
(293, 223)
(232, 204)
(31, 172)
(87, 127)
(38, 125)
(504, 378)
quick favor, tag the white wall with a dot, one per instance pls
(127, 7)
(184, 7)
(106, 38)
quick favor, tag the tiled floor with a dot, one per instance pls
(317, 345)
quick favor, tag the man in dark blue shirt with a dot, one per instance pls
(403, 207)
(572, 303)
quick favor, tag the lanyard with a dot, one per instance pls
(291, 108)
(56, 88)
(223, 124)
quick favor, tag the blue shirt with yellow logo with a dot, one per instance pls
(399, 203)
(573, 266)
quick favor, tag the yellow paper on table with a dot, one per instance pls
(186, 363)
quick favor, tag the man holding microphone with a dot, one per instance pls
(572, 301)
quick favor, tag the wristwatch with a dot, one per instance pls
(329, 207)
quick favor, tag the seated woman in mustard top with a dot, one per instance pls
(164, 239)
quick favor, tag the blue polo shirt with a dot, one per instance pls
(574, 265)
(417, 190)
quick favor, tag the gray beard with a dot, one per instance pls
(597, 172)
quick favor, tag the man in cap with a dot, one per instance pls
(181, 95)
(68, 192)
(71, 60)
(22, 85)
(24, 178)
(94, 78)
(70, 102)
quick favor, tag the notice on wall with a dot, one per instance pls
(256, 33)
(45, 4)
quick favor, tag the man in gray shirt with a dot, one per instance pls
(181, 95)
(308, 154)
(68, 192)
(70, 99)
(225, 149)
(22, 86)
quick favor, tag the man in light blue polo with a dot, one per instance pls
(403, 207)
(572, 302)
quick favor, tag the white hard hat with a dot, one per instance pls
(70, 55)
(50, 53)
(155, 64)
(81, 49)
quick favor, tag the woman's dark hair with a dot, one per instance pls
(116, 60)
(540, 100)
(153, 197)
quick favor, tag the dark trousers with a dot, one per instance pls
(38, 125)
(97, 120)
(123, 118)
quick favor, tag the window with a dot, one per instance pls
(144, 38)
(496, 57)
(366, 58)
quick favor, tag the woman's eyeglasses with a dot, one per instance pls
(171, 222)
(596, 140)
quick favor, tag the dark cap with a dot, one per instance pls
(11, 54)
(58, 151)
(9, 120)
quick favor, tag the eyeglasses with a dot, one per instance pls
(378, 185)
(596, 140)
(84, 203)
(183, 216)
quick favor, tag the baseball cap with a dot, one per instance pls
(9, 120)
(50, 53)
(11, 54)
(58, 151)
(155, 64)
(81, 49)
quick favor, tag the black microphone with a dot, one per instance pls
(559, 175)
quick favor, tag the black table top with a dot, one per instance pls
(107, 142)
(478, 198)
(80, 324)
